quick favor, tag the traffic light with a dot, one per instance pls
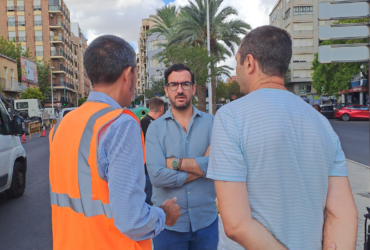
(64, 104)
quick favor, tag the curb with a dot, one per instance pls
(361, 165)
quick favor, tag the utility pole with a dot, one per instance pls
(51, 84)
(210, 108)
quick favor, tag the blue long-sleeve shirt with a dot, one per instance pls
(165, 138)
(120, 162)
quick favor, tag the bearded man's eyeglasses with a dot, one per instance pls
(175, 85)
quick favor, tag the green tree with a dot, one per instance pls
(191, 28)
(32, 93)
(157, 87)
(81, 101)
(221, 91)
(14, 50)
(43, 74)
(332, 78)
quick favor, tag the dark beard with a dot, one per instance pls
(181, 108)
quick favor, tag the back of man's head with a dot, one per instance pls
(155, 104)
(106, 58)
(271, 47)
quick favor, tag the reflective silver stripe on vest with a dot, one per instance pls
(55, 130)
(85, 204)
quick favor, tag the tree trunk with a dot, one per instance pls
(213, 82)
(201, 90)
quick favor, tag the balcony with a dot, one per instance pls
(37, 7)
(59, 70)
(64, 85)
(39, 53)
(10, 8)
(57, 39)
(11, 85)
(57, 54)
(38, 38)
(38, 23)
(20, 8)
(55, 9)
(57, 25)
(17, 23)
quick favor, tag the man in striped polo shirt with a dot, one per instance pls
(279, 169)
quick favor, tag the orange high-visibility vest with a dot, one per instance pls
(81, 214)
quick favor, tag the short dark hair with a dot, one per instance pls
(155, 104)
(177, 67)
(271, 47)
(107, 57)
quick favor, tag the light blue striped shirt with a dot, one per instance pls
(120, 161)
(285, 151)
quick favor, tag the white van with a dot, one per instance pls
(31, 106)
(13, 161)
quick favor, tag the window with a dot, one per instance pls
(36, 5)
(22, 36)
(303, 58)
(154, 63)
(39, 51)
(287, 1)
(302, 10)
(309, 10)
(154, 45)
(38, 21)
(11, 35)
(304, 89)
(305, 42)
(5, 123)
(322, 23)
(24, 48)
(287, 14)
(22, 105)
(11, 21)
(20, 5)
(9, 5)
(38, 35)
(295, 11)
(21, 21)
(302, 73)
(302, 26)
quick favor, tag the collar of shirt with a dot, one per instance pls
(168, 114)
(104, 98)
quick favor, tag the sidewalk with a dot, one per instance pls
(359, 178)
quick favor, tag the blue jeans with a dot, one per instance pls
(148, 191)
(203, 239)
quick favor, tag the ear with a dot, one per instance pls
(127, 76)
(194, 89)
(249, 64)
(166, 90)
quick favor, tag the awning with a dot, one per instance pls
(354, 90)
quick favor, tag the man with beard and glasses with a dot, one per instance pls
(177, 146)
(97, 177)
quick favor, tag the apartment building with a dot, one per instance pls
(300, 19)
(9, 86)
(149, 68)
(44, 27)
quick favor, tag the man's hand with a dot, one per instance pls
(207, 152)
(171, 210)
(169, 163)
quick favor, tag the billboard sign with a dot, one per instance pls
(344, 53)
(29, 70)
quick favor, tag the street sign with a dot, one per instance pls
(344, 10)
(344, 53)
(341, 31)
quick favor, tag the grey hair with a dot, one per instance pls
(107, 57)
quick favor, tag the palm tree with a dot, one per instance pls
(191, 27)
(164, 21)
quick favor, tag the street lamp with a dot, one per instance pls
(51, 83)
(77, 87)
(210, 108)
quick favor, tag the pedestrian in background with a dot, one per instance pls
(317, 107)
(156, 108)
(280, 172)
(177, 146)
(97, 178)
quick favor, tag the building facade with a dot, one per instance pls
(9, 85)
(300, 19)
(44, 27)
(149, 68)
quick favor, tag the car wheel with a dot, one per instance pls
(18, 181)
(345, 117)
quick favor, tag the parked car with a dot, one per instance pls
(342, 105)
(327, 111)
(352, 112)
(13, 163)
(65, 111)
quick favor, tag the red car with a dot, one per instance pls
(352, 112)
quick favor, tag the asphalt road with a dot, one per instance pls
(354, 137)
(26, 221)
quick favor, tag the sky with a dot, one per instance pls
(123, 17)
